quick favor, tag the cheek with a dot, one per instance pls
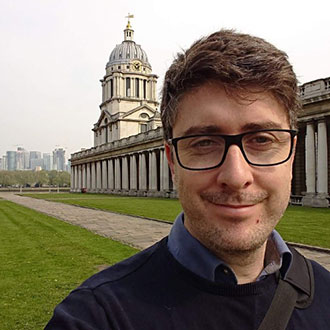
(193, 183)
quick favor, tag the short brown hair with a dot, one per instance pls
(240, 63)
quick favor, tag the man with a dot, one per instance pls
(229, 108)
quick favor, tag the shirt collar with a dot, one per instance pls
(197, 258)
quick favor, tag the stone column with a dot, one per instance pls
(125, 183)
(166, 178)
(111, 182)
(133, 174)
(83, 175)
(76, 178)
(88, 177)
(72, 184)
(104, 175)
(310, 158)
(93, 175)
(79, 178)
(322, 164)
(152, 170)
(142, 172)
(98, 175)
(322, 158)
(117, 174)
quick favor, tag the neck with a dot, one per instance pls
(247, 265)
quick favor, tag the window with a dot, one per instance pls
(144, 89)
(128, 87)
(143, 128)
(106, 131)
(144, 115)
(111, 88)
(137, 87)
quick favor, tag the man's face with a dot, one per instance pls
(234, 207)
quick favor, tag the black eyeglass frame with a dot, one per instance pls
(229, 141)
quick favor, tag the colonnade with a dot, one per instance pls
(143, 173)
(316, 163)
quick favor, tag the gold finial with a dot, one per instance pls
(128, 26)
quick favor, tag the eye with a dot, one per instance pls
(203, 143)
(262, 139)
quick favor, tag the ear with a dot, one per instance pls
(170, 160)
(294, 148)
(293, 154)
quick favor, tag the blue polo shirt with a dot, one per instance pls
(188, 251)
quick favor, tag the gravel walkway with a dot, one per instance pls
(134, 231)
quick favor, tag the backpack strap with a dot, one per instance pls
(295, 290)
(301, 277)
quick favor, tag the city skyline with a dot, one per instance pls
(53, 55)
(22, 159)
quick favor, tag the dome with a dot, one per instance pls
(128, 51)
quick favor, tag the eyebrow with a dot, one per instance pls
(213, 129)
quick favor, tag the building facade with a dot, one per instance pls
(128, 156)
(311, 185)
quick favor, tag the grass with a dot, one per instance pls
(306, 225)
(41, 260)
(155, 208)
(300, 224)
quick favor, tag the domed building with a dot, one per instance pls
(129, 101)
(128, 156)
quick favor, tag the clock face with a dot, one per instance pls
(136, 66)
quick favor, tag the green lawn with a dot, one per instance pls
(299, 224)
(155, 208)
(41, 260)
(306, 225)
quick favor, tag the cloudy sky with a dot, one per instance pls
(53, 54)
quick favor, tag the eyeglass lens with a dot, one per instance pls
(259, 148)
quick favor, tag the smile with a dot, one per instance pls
(238, 211)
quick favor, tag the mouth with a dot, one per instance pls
(235, 206)
(236, 211)
(238, 206)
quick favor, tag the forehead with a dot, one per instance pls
(211, 106)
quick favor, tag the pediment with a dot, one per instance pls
(101, 121)
(142, 112)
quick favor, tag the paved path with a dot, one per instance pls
(137, 232)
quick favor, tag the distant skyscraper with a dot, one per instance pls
(22, 159)
(11, 160)
(34, 157)
(59, 159)
(4, 163)
(48, 161)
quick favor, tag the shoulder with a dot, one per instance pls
(320, 273)
(125, 268)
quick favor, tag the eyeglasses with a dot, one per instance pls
(266, 147)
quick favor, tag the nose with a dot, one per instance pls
(235, 173)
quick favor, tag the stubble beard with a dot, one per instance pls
(224, 241)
